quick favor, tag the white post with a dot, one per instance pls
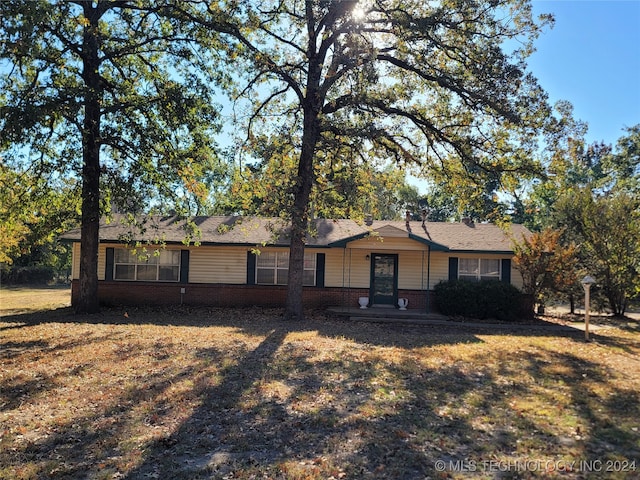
(586, 284)
(587, 301)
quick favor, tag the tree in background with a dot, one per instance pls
(620, 170)
(592, 193)
(546, 265)
(431, 83)
(33, 210)
(100, 90)
(345, 186)
(607, 228)
(530, 201)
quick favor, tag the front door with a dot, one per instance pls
(384, 279)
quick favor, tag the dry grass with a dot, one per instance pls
(219, 393)
(15, 300)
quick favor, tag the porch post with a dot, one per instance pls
(345, 292)
(428, 279)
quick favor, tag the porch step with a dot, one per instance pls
(385, 314)
(425, 320)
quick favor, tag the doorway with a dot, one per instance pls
(384, 279)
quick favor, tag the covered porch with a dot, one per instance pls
(390, 268)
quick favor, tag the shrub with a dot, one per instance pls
(482, 300)
(40, 274)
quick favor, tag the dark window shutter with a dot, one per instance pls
(453, 268)
(108, 269)
(506, 270)
(251, 268)
(184, 266)
(320, 269)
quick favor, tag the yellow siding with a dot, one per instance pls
(360, 267)
(102, 260)
(381, 243)
(333, 268)
(218, 265)
(410, 260)
(75, 261)
(343, 267)
(440, 266)
(412, 267)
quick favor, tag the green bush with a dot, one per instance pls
(481, 300)
(39, 274)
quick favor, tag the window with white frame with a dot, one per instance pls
(476, 269)
(272, 268)
(156, 266)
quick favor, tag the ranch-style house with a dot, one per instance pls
(242, 261)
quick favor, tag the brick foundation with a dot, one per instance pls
(225, 295)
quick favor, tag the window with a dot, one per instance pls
(476, 269)
(160, 266)
(272, 268)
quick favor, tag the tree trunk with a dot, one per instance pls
(88, 301)
(294, 309)
(617, 301)
(572, 304)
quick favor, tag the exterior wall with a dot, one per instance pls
(516, 278)
(384, 243)
(412, 260)
(102, 258)
(359, 268)
(102, 261)
(343, 267)
(218, 265)
(217, 276)
(439, 270)
(412, 270)
(334, 273)
(224, 295)
(440, 266)
(75, 261)
(150, 293)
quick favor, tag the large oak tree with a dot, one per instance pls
(440, 84)
(97, 89)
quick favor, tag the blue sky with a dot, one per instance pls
(592, 59)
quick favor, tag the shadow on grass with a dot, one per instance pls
(600, 410)
(284, 409)
(397, 419)
(253, 321)
(257, 320)
(353, 426)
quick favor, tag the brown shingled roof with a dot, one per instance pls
(237, 230)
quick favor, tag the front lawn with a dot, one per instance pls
(217, 393)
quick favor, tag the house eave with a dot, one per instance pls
(478, 252)
(196, 243)
(436, 247)
(343, 242)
